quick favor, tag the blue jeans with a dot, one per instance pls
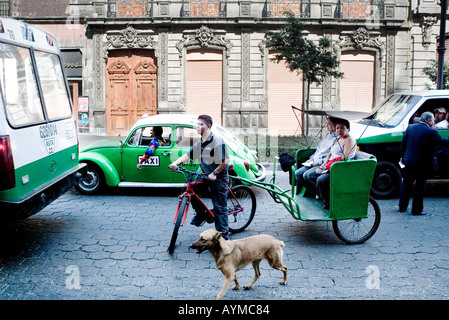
(310, 177)
(323, 186)
(320, 183)
(219, 196)
(300, 176)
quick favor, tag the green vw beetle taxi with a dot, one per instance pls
(113, 161)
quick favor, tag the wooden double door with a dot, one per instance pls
(131, 88)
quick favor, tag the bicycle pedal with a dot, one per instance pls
(210, 219)
(202, 224)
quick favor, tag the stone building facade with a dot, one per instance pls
(150, 56)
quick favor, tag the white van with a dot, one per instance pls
(38, 134)
(381, 135)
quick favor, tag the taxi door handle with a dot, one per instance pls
(166, 153)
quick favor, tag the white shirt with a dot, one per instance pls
(323, 148)
(444, 124)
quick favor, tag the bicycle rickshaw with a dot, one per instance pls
(355, 215)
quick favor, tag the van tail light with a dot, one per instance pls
(7, 175)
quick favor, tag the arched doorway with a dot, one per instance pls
(285, 89)
(131, 88)
(357, 85)
(204, 87)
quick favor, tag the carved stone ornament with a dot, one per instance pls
(204, 37)
(130, 38)
(362, 39)
(426, 25)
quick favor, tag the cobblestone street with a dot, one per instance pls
(114, 246)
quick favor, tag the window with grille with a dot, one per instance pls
(4, 8)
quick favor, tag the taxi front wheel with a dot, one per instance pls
(92, 181)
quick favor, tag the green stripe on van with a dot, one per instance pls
(31, 177)
(382, 138)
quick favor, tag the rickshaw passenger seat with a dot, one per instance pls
(360, 155)
(350, 185)
(302, 155)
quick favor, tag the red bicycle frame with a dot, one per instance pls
(190, 192)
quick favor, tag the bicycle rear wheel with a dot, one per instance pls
(244, 207)
(181, 212)
(356, 231)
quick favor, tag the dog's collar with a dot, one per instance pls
(216, 237)
(216, 241)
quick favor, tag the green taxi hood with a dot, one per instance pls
(107, 142)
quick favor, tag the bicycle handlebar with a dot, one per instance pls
(192, 172)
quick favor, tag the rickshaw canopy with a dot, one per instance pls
(341, 114)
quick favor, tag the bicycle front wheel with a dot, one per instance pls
(355, 231)
(241, 208)
(181, 212)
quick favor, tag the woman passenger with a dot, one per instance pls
(342, 149)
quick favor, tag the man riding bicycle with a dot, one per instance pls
(212, 154)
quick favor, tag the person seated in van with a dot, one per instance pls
(318, 157)
(157, 141)
(343, 149)
(440, 118)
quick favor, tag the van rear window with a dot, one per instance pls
(19, 86)
(53, 85)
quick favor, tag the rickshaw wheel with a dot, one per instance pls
(355, 231)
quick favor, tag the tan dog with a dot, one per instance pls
(233, 255)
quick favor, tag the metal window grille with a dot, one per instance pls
(278, 8)
(4, 7)
(361, 9)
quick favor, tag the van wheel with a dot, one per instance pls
(387, 180)
(92, 182)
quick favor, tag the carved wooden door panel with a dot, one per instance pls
(119, 106)
(131, 89)
(145, 82)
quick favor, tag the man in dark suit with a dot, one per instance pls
(418, 156)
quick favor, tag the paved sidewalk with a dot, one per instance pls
(114, 246)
